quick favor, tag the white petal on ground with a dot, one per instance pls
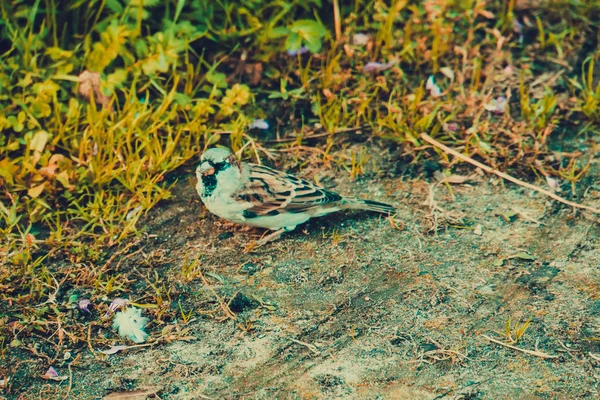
(259, 124)
(377, 66)
(553, 183)
(430, 82)
(130, 324)
(435, 91)
(360, 39)
(113, 350)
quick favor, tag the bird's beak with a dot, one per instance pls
(206, 169)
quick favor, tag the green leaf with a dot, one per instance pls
(308, 27)
(218, 79)
(498, 263)
(278, 32)
(293, 42)
(114, 6)
(310, 32)
(216, 276)
(313, 44)
(180, 4)
(33, 11)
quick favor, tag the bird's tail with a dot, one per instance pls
(369, 205)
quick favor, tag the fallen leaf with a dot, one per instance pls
(35, 191)
(37, 144)
(8, 170)
(63, 178)
(133, 395)
(486, 14)
(328, 94)
(254, 72)
(89, 83)
(348, 50)
(478, 230)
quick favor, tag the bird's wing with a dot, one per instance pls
(272, 192)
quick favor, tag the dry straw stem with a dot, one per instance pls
(490, 170)
(530, 352)
(337, 20)
(309, 346)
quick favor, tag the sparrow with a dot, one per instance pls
(255, 195)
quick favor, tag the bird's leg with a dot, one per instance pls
(270, 237)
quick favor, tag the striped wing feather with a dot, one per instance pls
(272, 192)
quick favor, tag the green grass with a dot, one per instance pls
(79, 168)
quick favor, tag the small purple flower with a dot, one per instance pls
(450, 127)
(115, 305)
(376, 66)
(259, 124)
(84, 305)
(497, 105)
(517, 26)
(51, 373)
(301, 50)
(501, 103)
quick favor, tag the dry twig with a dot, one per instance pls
(502, 175)
(530, 352)
(309, 346)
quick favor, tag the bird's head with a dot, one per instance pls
(217, 166)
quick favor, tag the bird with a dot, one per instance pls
(259, 196)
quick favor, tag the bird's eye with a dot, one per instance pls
(219, 166)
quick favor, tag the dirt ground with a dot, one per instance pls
(351, 307)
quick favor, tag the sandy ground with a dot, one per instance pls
(351, 307)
